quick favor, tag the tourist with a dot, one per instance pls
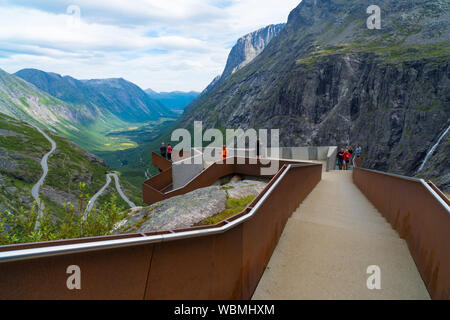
(358, 151)
(347, 157)
(224, 152)
(258, 143)
(163, 150)
(350, 150)
(340, 157)
(169, 152)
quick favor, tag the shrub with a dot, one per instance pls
(22, 227)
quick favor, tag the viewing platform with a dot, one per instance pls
(310, 234)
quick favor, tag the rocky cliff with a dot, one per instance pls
(243, 52)
(327, 79)
(249, 47)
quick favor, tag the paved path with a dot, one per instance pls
(37, 186)
(329, 242)
(100, 192)
(119, 190)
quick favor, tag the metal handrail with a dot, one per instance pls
(16, 255)
(422, 181)
(436, 195)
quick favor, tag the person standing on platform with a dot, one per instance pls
(169, 152)
(224, 152)
(163, 150)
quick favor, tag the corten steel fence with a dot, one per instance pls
(160, 162)
(224, 261)
(357, 162)
(421, 215)
(153, 188)
(163, 164)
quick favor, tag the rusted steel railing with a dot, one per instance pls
(153, 188)
(421, 216)
(160, 162)
(224, 261)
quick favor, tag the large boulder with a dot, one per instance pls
(187, 210)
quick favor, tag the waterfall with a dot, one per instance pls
(433, 148)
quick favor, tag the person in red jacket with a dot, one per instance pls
(347, 158)
(169, 152)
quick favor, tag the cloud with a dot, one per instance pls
(163, 45)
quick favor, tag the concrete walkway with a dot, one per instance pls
(328, 244)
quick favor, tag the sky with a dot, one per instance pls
(165, 45)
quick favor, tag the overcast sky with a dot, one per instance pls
(165, 45)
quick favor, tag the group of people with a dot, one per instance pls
(345, 156)
(166, 152)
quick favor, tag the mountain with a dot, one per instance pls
(249, 47)
(175, 100)
(121, 98)
(85, 124)
(21, 99)
(21, 150)
(243, 52)
(327, 79)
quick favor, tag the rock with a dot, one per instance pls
(180, 211)
(246, 49)
(187, 210)
(7, 164)
(235, 179)
(9, 133)
(11, 190)
(59, 197)
(244, 188)
(249, 47)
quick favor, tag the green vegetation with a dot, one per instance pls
(22, 151)
(391, 53)
(132, 163)
(23, 100)
(20, 227)
(233, 206)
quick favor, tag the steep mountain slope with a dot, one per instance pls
(243, 52)
(249, 47)
(328, 79)
(175, 100)
(23, 100)
(21, 150)
(118, 96)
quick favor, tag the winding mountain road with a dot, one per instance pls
(44, 165)
(102, 190)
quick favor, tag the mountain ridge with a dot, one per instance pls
(120, 97)
(174, 100)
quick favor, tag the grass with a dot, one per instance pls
(389, 53)
(233, 206)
